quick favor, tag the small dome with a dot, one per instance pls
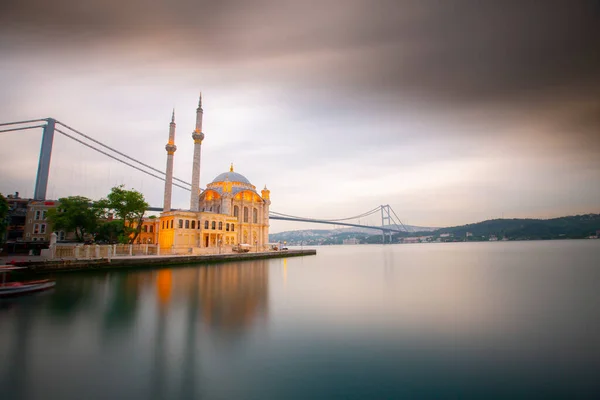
(231, 177)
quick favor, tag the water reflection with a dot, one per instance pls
(410, 321)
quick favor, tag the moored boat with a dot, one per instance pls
(20, 288)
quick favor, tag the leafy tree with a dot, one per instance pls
(128, 206)
(111, 232)
(3, 217)
(75, 214)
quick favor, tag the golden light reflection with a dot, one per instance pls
(164, 283)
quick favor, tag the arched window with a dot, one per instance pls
(232, 228)
(193, 224)
(206, 224)
(151, 228)
(254, 215)
(172, 223)
(144, 228)
(187, 224)
(163, 224)
(214, 225)
(227, 227)
(180, 223)
(245, 214)
(236, 211)
(220, 225)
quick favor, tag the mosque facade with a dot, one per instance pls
(228, 212)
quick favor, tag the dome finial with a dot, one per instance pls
(231, 168)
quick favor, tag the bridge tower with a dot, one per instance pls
(386, 221)
(198, 136)
(41, 180)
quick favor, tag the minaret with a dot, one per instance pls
(171, 148)
(266, 195)
(198, 136)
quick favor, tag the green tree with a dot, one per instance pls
(3, 217)
(128, 206)
(111, 231)
(75, 214)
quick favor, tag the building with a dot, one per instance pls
(228, 212)
(351, 241)
(17, 217)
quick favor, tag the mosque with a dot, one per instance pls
(228, 212)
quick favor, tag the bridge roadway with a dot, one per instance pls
(317, 221)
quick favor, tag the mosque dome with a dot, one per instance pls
(231, 177)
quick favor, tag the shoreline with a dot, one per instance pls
(69, 265)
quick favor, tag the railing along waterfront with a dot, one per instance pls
(97, 251)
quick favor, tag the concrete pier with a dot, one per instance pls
(42, 266)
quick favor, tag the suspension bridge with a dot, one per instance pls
(390, 222)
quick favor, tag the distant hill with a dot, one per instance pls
(574, 227)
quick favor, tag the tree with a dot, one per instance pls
(128, 206)
(3, 217)
(74, 214)
(111, 232)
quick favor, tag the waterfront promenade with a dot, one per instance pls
(40, 264)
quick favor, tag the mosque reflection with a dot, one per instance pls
(227, 297)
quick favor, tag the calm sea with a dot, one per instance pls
(483, 320)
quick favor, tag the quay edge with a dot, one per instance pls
(154, 261)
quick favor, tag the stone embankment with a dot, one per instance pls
(56, 265)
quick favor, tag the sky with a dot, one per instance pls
(451, 112)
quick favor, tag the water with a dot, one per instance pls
(481, 320)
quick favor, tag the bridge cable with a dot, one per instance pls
(332, 220)
(21, 129)
(22, 122)
(122, 154)
(115, 158)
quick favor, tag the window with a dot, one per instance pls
(218, 209)
(214, 225)
(254, 215)
(205, 224)
(42, 228)
(35, 239)
(198, 224)
(44, 214)
(236, 211)
(180, 223)
(187, 224)
(36, 228)
(227, 227)
(193, 224)
(245, 214)
(37, 215)
(61, 235)
(163, 225)
(151, 228)
(172, 223)
(144, 228)
(220, 225)
(232, 228)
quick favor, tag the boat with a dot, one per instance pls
(21, 288)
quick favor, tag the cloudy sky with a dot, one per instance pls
(450, 111)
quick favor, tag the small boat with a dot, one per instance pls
(20, 288)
